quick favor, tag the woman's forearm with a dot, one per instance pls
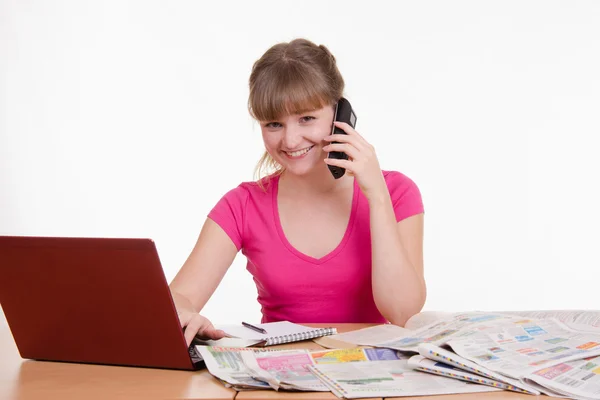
(182, 303)
(398, 286)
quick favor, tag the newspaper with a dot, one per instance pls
(519, 353)
(421, 363)
(584, 320)
(439, 332)
(519, 348)
(356, 354)
(227, 365)
(443, 358)
(407, 340)
(543, 355)
(578, 379)
(581, 320)
(389, 379)
(290, 371)
(287, 370)
(281, 369)
(370, 336)
(423, 318)
(427, 326)
(512, 349)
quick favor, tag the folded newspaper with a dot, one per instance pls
(509, 351)
(557, 355)
(347, 373)
(252, 368)
(389, 379)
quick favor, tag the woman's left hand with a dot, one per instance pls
(362, 161)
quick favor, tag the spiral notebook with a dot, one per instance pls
(277, 332)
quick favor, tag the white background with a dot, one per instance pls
(129, 119)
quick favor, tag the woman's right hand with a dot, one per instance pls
(195, 324)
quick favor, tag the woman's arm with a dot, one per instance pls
(397, 248)
(399, 286)
(198, 278)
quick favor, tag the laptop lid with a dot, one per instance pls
(91, 300)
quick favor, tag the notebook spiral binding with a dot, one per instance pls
(296, 337)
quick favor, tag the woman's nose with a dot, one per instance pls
(291, 138)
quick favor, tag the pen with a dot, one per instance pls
(254, 328)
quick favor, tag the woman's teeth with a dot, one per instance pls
(299, 152)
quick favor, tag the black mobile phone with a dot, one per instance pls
(343, 112)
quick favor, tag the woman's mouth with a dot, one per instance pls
(298, 153)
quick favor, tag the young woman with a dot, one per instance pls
(320, 249)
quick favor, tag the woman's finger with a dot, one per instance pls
(347, 148)
(184, 318)
(191, 330)
(206, 330)
(212, 333)
(341, 138)
(346, 164)
(350, 131)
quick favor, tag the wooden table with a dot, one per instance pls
(27, 379)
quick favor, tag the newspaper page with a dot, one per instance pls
(371, 336)
(290, 370)
(439, 332)
(287, 370)
(375, 335)
(426, 318)
(519, 348)
(421, 363)
(355, 354)
(581, 320)
(438, 327)
(226, 364)
(578, 379)
(439, 354)
(389, 379)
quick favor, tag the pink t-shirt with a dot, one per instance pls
(298, 288)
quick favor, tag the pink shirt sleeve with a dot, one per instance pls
(405, 195)
(229, 213)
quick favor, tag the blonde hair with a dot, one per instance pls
(291, 78)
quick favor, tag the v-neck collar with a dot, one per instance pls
(337, 249)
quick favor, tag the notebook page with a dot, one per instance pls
(274, 329)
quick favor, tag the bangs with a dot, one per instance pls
(287, 90)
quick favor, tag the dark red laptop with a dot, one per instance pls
(91, 300)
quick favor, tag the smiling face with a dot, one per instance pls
(293, 88)
(296, 141)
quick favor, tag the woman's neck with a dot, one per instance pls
(317, 183)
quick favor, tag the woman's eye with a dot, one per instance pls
(273, 125)
(307, 118)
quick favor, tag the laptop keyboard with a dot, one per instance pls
(196, 358)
